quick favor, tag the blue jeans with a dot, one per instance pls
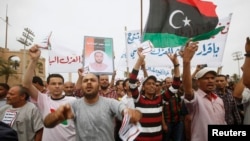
(175, 132)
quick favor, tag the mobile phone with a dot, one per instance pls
(203, 65)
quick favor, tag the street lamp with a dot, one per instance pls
(26, 39)
(237, 56)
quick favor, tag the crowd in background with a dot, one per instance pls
(178, 108)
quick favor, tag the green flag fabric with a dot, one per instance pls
(172, 23)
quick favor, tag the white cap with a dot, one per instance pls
(204, 71)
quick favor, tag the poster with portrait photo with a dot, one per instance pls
(98, 55)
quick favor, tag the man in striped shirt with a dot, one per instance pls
(149, 104)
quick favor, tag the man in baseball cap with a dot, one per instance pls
(203, 72)
(203, 104)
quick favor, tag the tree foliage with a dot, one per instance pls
(6, 69)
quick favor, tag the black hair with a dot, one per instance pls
(221, 75)
(118, 82)
(160, 82)
(5, 86)
(124, 82)
(54, 75)
(149, 77)
(37, 79)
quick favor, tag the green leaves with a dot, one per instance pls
(7, 69)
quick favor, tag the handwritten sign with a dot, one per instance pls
(209, 52)
(59, 63)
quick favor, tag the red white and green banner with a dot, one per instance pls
(98, 55)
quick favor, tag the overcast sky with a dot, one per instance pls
(71, 20)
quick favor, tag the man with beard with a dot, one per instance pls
(93, 114)
(98, 65)
(105, 89)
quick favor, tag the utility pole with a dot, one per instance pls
(6, 20)
(237, 56)
(26, 40)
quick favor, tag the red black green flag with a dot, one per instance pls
(172, 23)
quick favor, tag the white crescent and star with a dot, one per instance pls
(186, 21)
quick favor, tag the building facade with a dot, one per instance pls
(18, 61)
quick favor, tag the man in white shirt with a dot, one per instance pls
(65, 131)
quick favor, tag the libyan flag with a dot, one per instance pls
(172, 23)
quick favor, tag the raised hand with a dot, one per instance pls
(173, 58)
(140, 54)
(34, 52)
(189, 51)
(143, 65)
(80, 72)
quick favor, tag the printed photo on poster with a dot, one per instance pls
(98, 55)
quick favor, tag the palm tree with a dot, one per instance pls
(14, 63)
(6, 69)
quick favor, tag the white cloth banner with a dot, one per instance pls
(210, 51)
(63, 60)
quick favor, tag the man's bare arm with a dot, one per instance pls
(143, 67)
(62, 113)
(187, 56)
(238, 89)
(140, 59)
(246, 66)
(38, 135)
(34, 53)
(79, 80)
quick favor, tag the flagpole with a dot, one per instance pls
(141, 16)
(127, 74)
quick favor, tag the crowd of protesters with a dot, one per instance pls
(178, 108)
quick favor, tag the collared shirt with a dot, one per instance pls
(78, 93)
(172, 107)
(110, 93)
(151, 109)
(232, 115)
(204, 112)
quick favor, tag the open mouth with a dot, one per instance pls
(89, 88)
